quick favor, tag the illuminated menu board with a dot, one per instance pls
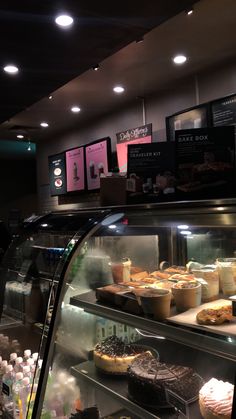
(57, 174)
(98, 157)
(75, 169)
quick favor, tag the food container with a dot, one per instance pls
(210, 283)
(155, 302)
(121, 270)
(187, 295)
(227, 274)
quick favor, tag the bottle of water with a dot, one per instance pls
(17, 404)
(35, 356)
(18, 364)
(24, 395)
(3, 366)
(13, 357)
(26, 371)
(7, 383)
(27, 355)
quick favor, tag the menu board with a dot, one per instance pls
(205, 163)
(194, 118)
(57, 174)
(75, 169)
(151, 171)
(224, 111)
(98, 156)
(139, 135)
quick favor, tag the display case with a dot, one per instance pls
(143, 323)
(31, 274)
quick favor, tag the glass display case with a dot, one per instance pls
(31, 275)
(143, 321)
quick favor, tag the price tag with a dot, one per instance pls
(181, 405)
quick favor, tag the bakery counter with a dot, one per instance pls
(117, 388)
(196, 337)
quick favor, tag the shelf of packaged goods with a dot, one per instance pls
(117, 388)
(198, 338)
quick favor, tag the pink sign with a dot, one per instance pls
(96, 163)
(75, 169)
(139, 135)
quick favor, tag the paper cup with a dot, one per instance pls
(186, 298)
(155, 303)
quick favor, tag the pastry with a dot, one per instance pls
(113, 356)
(216, 399)
(210, 283)
(181, 277)
(139, 276)
(160, 275)
(148, 379)
(107, 294)
(215, 316)
(176, 270)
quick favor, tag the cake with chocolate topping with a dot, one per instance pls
(113, 356)
(148, 380)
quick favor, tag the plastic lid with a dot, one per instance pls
(26, 381)
(4, 363)
(9, 368)
(19, 360)
(27, 353)
(19, 376)
(30, 361)
(26, 368)
(13, 356)
(35, 356)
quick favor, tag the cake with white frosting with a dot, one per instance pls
(216, 399)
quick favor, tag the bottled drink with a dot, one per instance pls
(24, 394)
(17, 405)
(27, 354)
(18, 364)
(26, 371)
(13, 357)
(35, 356)
(7, 383)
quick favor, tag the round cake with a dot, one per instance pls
(113, 356)
(148, 380)
(216, 399)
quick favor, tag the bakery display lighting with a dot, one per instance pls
(11, 69)
(185, 232)
(183, 227)
(75, 109)
(180, 59)
(64, 21)
(20, 136)
(118, 89)
(44, 124)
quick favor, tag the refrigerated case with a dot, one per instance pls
(31, 274)
(144, 239)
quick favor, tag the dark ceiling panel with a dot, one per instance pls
(49, 57)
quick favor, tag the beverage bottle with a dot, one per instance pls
(27, 355)
(13, 357)
(3, 366)
(17, 405)
(24, 394)
(18, 364)
(35, 356)
(38, 370)
(26, 371)
(7, 383)
(31, 401)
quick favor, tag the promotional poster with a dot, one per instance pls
(151, 172)
(194, 118)
(224, 111)
(57, 174)
(205, 163)
(139, 135)
(75, 169)
(97, 156)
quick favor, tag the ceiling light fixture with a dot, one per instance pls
(29, 146)
(20, 136)
(50, 97)
(118, 89)
(64, 21)
(11, 69)
(139, 40)
(44, 124)
(75, 109)
(180, 59)
(96, 67)
(189, 11)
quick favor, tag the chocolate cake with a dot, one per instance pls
(148, 379)
(89, 413)
(113, 356)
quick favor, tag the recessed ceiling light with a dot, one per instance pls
(44, 124)
(64, 21)
(11, 69)
(183, 227)
(186, 232)
(20, 136)
(189, 11)
(96, 67)
(118, 89)
(179, 59)
(75, 109)
(50, 97)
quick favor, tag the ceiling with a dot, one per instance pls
(58, 63)
(48, 56)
